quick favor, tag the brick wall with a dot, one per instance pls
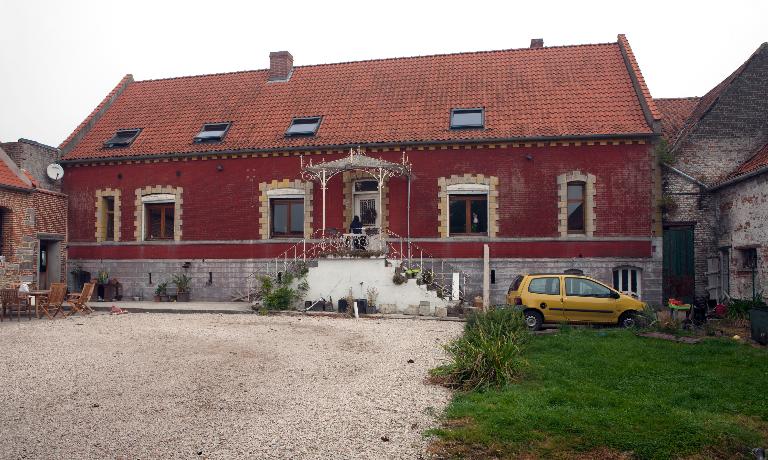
(733, 129)
(741, 212)
(35, 158)
(224, 205)
(25, 218)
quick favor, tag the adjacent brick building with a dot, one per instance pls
(715, 187)
(33, 216)
(546, 154)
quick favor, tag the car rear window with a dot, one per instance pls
(515, 283)
(549, 286)
(585, 288)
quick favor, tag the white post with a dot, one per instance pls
(486, 276)
(380, 212)
(323, 183)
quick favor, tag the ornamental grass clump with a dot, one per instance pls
(489, 354)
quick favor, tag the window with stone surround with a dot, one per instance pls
(285, 209)
(107, 215)
(158, 213)
(576, 203)
(468, 206)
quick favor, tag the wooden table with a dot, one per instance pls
(33, 294)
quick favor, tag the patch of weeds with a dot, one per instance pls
(489, 354)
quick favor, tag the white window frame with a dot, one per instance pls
(629, 269)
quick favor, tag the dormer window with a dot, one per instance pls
(303, 127)
(212, 132)
(122, 138)
(467, 118)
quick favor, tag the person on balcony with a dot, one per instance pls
(356, 228)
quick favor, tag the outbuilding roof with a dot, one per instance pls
(11, 176)
(576, 91)
(674, 113)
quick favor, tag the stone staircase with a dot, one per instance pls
(332, 278)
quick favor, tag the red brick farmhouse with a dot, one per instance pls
(544, 154)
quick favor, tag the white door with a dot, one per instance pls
(367, 208)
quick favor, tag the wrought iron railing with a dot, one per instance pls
(447, 279)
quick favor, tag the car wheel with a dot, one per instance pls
(628, 319)
(533, 320)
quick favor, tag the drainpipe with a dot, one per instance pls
(408, 217)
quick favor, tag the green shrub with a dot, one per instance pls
(739, 308)
(278, 294)
(489, 354)
(281, 298)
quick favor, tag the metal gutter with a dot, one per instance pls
(690, 178)
(355, 145)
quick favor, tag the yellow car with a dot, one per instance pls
(561, 298)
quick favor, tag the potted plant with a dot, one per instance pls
(411, 273)
(161, 292)
(182, 282)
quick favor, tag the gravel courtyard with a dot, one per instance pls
(218, 386)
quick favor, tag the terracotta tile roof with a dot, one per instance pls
(10, 175)
(624, 43)
(758, 161)
(674, 112)
(583, 90)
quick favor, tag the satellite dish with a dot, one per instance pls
(55, 171)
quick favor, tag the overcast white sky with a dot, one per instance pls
(58, 59)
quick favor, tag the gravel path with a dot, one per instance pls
(218, 386)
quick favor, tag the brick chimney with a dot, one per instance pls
(537, 43)
(280, 65)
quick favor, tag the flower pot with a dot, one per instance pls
(157, 298)
(182, 296)
(165, 298)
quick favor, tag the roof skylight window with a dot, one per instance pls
(122, 138)
(306, 126)
(212, 132)
(467, 118)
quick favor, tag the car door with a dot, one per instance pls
(588, 301)
(545, 292)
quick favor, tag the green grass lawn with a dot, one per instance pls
(608, 391)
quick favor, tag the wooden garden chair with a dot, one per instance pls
(79, 302)
(11, 299)
(54, 300)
